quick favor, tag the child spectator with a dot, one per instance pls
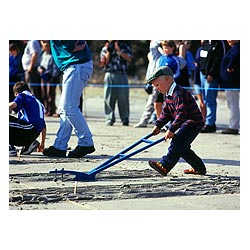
(169, 59)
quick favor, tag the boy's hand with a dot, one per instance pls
(169, 134)
(40, 148)
(156, 131)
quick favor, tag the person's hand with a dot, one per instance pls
(29, 69)
(230, 70)
(156, 130)
(40, 148)
(169, 134)
(117, 47)
(209, 78)
(78, 47)
(102, 62)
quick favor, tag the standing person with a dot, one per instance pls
(30, 62)
(16, 72)
(230, 80)
(169, 59)
(197, 84)
(211, 55)
(190, 61)
(46, 70)
(186, 122)
(181, 53)
(73, 58)
(114, 57)
(155, 51)
(29, 123)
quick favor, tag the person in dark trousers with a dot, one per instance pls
(181, 110)
(230, 81)
(114, 58)
(29, 123)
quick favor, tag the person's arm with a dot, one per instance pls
(12, 105)
(104, 56)
(33, 60)
(42, 141)
(122, 54)
(79, 47)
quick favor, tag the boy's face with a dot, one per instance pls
(167, 50)
(162, 84)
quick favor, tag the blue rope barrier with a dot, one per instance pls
(133, 86)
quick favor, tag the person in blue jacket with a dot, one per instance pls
(169, 59)
(28, 123)
(74, 59)
(230, 81)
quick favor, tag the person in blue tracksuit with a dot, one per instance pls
(29, 122)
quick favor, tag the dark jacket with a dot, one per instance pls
(211, 55)
(231, 61)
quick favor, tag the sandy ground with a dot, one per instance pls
(130, 184)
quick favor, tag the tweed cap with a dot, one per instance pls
(160, 71)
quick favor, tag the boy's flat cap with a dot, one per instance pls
(160, 71)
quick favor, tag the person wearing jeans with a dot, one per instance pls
(210, 56)
(73, 58)
(209, 92)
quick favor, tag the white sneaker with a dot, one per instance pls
(140, 125)
(12, 151)
(26, 150)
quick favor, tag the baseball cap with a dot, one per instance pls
(160, 71)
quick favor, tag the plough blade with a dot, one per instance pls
(79, 176)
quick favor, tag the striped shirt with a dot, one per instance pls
(181, 109)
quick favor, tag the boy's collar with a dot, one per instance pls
(171, 89)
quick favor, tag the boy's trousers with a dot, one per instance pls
(180, 146)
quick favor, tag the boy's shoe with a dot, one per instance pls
(158, 167)
(81, 151)
(28, 149)
(52, 151)
(12, 150)
(193, 171)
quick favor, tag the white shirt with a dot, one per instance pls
(31, 47)
(171, 89)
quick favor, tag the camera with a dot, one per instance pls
(111, 46)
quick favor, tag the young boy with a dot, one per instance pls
(29, 123)
(186, 122)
